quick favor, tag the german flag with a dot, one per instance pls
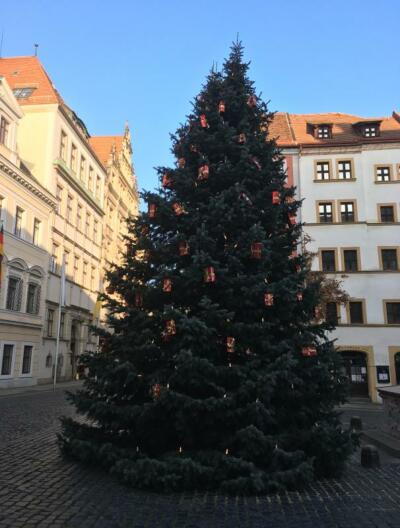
(1, 252)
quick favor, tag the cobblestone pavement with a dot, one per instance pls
(38, 488)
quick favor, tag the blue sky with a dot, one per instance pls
(144, 61)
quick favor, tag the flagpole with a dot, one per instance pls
(61, 302)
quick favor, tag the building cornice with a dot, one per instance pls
(28, 182)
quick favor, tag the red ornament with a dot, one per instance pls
(167, 285)
(204, 171)
(170, 327)
(203, 121)
(256, 249)
(138, 299)
(152, 209)
(268, 299)
(292, 219)
(145, 230)
(276, 199)
(309, 351)
(156, 390)
(110, 290)
(221, 107)
(183, 248)
(166, 181)
(252, 101)
(242, 138)
(209, 274)
(178, 208)
(299, 296)
(181, 162)
(230, 345)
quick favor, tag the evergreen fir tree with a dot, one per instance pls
(216, 374)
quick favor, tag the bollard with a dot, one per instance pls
(369, 456)
(355, 423)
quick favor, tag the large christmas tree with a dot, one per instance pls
(216, 374)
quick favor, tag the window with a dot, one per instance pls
(1, 207)
(59, 192)
(50, 322)
(382, 173)
(93, 278)
(344, 170)
(95, 230)
(6, 361)
(84, 273)
(62, 324)
(79, 217)
(4, 128)
(69, 208)
(389, 259)
(27, 359)
(33, 298)
(356, 312)
(393, 312)
(323, 170)
(19, 214)
(328, 260)
(350, 260)
(98, 186)
(63, 146)
(76, 268)
(370, 131)
(14, 294)
(82, 168)
(73, 157)
(23, 93)
(347, 211)
(90, 179)
(36, 231)
(325, 212)
(331, 313)
(323, 132)
(87, 224)
(66, 261)
(386, 213)
(54, 257)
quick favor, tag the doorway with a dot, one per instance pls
(355, 366)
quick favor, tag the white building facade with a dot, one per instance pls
(347, 171)
(26, 208)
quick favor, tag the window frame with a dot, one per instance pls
(53, 311)
(393, 205)
(18, 226)
(363, 311)
(335, 251)
(383, 166)
(358, 259)
(36, 233)
(385, 313)
(337, 306)
(320, 203)
(319, 162)
(323, 129)
(18, 294)
(2, 345)
(355, 212)
(4, 131)
(63, 146)
(74, 158)
(368, 127)
(393, 248)
(352, 171)
(36, 298)
(82, 168)
(26, 374)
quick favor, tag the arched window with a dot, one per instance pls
(14, 293)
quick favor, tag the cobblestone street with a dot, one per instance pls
(40, 489)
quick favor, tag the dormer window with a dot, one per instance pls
(23, 93)
(368, 129)
(323, 132)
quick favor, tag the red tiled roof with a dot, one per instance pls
(297, 129)
(28, 72)
(102, 145)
